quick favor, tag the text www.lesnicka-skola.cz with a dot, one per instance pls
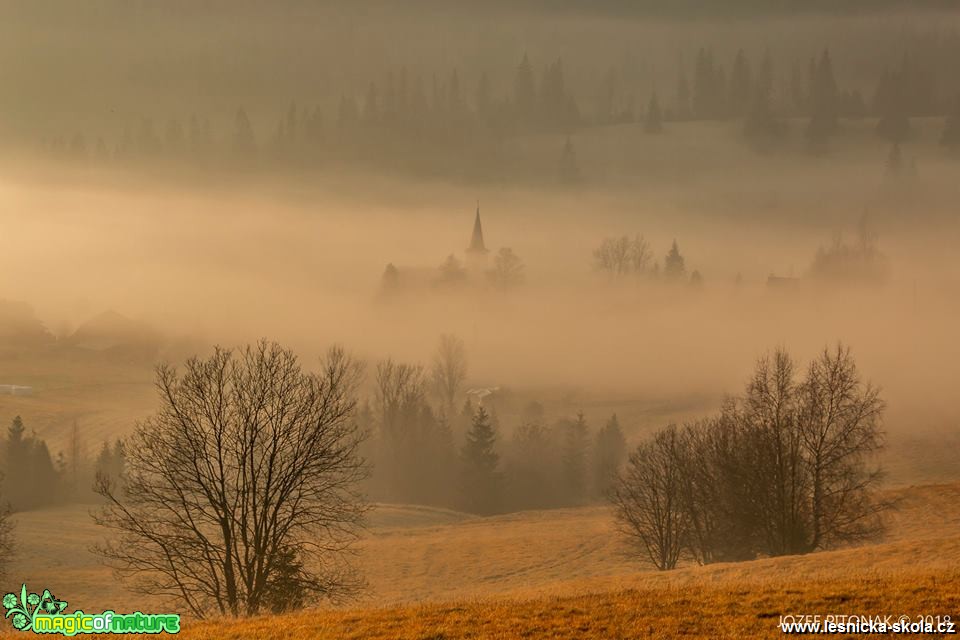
(811, 624)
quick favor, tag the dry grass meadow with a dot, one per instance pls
(563, 574)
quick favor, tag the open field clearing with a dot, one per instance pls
(708, 611)
(697, 611)
(416, 554)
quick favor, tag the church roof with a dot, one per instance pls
(476, 240)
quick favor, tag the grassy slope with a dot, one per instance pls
(440, 574)
(699, 611)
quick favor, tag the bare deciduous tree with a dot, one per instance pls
(449, 370)
(770, 418)
(241, 489)
(649, 503)
(623, 255)
(786, 468)
(507, 269)
(400, 390)
(840, 432)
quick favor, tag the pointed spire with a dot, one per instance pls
(476, 240)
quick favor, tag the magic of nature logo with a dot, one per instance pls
(44, 613)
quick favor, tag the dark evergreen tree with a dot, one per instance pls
(30, 478)
(347, 113)
(576, 443)
(464, 420)
(609, 452)
(951, 130)
(480, 476)
(244, 141)
(703, 80)
(371, 106)
(569, 169)
(454, 100)
(673, 264)
(798, 96)
(683, 95)
(390, 280)
(16, 470)
(174, 137)
(524, 91)
(895, 160)
(111, 463)
(741, 85)
(824, 103)
(653, 123)
(532, 469)
(761, 125)
(890, 104)
(484, 100)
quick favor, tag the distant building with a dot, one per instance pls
(477, 251)
(449, 273)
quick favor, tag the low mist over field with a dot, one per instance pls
(484, 274)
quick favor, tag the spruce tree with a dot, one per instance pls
(480, 476)
(741, 85)
(610, 451)
(244, 141)
(951, 130)
(823, 118)
(574, 461)
(674, 267)
(895, 160)
(683, 95)
(569, 169)
(524, 91)
(890, 103)
(17, 467)
(653, 123)
(760, 124)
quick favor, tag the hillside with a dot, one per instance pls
(697, 611)
(414, 555)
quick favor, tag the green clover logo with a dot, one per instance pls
(25, 608)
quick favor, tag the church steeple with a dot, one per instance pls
(476, 240)
(477, 251)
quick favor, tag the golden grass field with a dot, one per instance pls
(563, 573)
(694, 611)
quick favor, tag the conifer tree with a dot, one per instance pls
(741, 85)
(673, 264)
(823, 119)
(569, 169)
(760, 124)
(574, 460)
(30, 478)
(480, 476)
(483, 99)
(244, 141)
(653, 123)
(890, 103)
(683, 95)
(524, 91)
(610, 450)
(895, 160)
(951, 130)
